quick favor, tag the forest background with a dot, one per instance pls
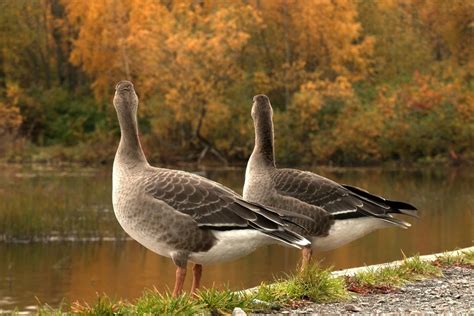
(351, 82)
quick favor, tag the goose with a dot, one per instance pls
(181, 215)
(354, 211)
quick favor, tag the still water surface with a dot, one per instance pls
(69, 271)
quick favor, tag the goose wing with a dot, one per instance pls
(214, 206)
(341, 201)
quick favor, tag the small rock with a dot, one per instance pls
(238, 312)
(257, 301)
(352, 308)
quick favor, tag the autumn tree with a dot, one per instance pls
(201, 64)
(310, 40)
(101, 46)
(186, 52)
(310, 54)
(393, 77)
(401, 46)
(427, 118)
(449, 27)
(10, 113)
(35, 42)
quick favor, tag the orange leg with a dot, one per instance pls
(197, 273)
(178, 284)
(307, 253)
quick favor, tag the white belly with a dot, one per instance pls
(232, 245)
(345, 231)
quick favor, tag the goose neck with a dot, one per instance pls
(264, 148)
(129, 149)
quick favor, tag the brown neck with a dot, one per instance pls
(263, 150)
(129, 150)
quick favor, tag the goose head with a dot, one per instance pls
(261, 107)
(125, 99)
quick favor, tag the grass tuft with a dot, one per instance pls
(414, 268)
(314, 284)
(150, 303)
(102, 306)
(387, 279)
(154, 303)
(462, 258)
(224, 301)
(266, 293)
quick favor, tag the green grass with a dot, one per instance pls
(414, 268)
(150, 303)
(462, 258)
(220, 302)
(387, 279)
(102, 306)
(313, 284)
(155, 303)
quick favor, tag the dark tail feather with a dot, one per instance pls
(401, 205)
(398, 206)
(403, 208)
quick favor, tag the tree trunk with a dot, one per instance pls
(206, 143)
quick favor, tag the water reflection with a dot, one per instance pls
(77, 271)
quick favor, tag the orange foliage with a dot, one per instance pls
(449, 25)
(101, 48)
(350, 80)
(323, 34)
(427, 117)
(10, 117)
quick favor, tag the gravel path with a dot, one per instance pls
(453, 293)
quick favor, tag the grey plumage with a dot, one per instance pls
(342, 201)
(184, 216)
(213, 206)
(176, 213)
(324, 200)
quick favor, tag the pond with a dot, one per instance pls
(43, 202)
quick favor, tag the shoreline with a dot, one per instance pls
(55, 239)
(240, 164)
(439, 282)
(446, 291)
(392, 264)
(396, 263)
